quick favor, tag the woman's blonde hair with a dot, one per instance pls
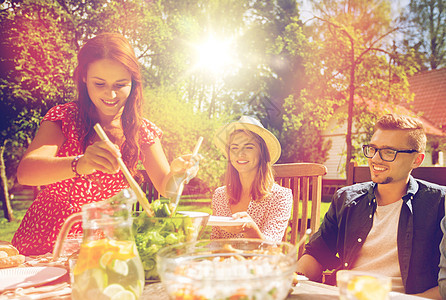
(264, 179)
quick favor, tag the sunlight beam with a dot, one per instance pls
(215, 56)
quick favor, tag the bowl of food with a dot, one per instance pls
(228, 269)
(153, 233)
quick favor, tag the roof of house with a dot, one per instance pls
(429, 128)
(429, 88)
(386, 108)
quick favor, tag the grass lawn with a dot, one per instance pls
(21, 202)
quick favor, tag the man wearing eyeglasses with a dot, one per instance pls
(390, 225)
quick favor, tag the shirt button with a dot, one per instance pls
(359, 240)
(346, 264)
(370, 216)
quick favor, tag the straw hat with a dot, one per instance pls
(251, 124)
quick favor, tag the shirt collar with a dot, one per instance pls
(412, 189)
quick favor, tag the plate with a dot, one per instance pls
(13, 278)
(401, 296)
(193, 213)
(301, 278)
(225, 221)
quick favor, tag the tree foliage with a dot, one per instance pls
(356, 63)
(35, 70)
(34, 73)
(425, 32)
(290, 75)
(41, 38)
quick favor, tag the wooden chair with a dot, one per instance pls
(148, 188)
(432, 174)
(305, 180)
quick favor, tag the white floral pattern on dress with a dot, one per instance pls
(271, 214)
(39, 228)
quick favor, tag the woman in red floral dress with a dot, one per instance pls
(250, 192)
(69, 159)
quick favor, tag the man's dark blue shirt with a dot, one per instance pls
(350, 217)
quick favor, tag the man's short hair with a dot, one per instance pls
(417, 136)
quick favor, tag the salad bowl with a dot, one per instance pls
(153, 233)
(228, 269)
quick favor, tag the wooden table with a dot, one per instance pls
(305, 290)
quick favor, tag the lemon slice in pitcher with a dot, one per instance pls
(120, 267)
(113, 289)
(105, 259)
(123, 249)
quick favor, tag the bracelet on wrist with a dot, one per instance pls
(74, 163)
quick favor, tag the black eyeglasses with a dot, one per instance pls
(386, 154)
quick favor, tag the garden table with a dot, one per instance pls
(305, 290)
(60, 289)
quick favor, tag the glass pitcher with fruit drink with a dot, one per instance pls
(108, 265)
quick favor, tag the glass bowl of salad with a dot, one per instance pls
(165, 229)
(228, 269)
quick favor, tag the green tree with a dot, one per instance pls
(35, 74)
(358, 63)
(183, 98)
(173, 115)
(39, 41)
(266, 72)
(304, 117)
(425, 31)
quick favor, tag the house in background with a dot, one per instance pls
(429, 88)
(429, 104)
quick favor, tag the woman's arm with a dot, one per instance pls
(218, 198)
(279, 214)
(40, 166)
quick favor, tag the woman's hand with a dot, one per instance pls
(185, 163)
(41, 164)
(101, 156)
(249, 227)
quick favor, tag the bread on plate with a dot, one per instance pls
(9, 256)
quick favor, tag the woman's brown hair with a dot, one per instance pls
(264, 179)
(111, 46)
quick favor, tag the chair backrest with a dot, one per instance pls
(432, 174)
(148, 188)
(305, 181)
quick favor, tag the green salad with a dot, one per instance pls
(152, 234)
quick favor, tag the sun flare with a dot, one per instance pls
(215, 55)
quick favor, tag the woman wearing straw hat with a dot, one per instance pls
(250, 192)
